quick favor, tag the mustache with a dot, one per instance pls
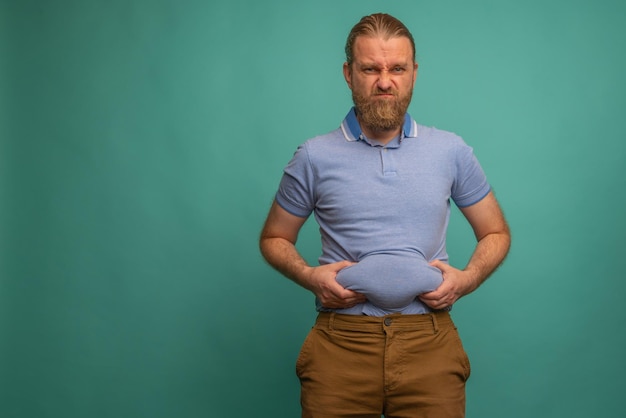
(391, 91)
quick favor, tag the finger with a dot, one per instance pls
(359, 298)
(340, 265)
(344, 294)
(435, 295)
(431, 304)
(352, 302)
(439, 264)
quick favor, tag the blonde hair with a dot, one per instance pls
(377, 25)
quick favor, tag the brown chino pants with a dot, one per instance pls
(402, 366)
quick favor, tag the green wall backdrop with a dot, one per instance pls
(141, 145)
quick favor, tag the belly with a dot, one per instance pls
(391, 281)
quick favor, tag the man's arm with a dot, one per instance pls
(277, 244)
(494, 240)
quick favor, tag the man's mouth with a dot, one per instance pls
(380, 93)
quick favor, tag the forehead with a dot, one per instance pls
(368, 48)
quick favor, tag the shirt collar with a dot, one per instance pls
(352, 130)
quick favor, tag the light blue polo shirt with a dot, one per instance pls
(385, 207)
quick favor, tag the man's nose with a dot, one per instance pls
(384, 80)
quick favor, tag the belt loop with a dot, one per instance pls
(331, 321)
(433, 317)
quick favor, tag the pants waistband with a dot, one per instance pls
(379, 324)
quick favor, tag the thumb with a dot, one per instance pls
(439, 264)
(343, 264)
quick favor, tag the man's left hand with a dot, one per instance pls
(456, 283)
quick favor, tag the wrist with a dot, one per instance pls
(305, 277)
(472, 278)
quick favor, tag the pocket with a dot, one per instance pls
(304, 353)
(463, 357)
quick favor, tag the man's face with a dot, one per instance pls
(381, 78)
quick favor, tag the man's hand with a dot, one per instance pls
(456, 283)
(322, 282)
(277, 243)
(494, 240)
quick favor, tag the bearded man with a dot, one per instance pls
(380, 188)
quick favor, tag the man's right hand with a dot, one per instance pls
(322, 282)
(277, 243)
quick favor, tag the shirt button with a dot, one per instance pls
(388, 321)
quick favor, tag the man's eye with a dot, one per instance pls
(368, 70)
(398, 69)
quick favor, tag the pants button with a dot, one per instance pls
(388, 321)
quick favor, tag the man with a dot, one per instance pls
(380, 189)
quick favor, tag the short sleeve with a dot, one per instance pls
(296, 190)
(470, 184)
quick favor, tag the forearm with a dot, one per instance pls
(284, 257)
(278, 247)
(489, 253)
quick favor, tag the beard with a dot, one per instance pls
(382, 114)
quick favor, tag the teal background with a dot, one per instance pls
(142, 143)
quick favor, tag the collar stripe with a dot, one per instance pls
(352, 130)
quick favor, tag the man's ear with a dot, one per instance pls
(347, 74)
